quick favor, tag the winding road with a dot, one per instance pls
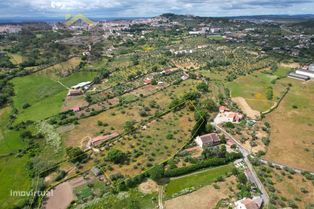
(245, 154)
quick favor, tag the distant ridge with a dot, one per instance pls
(70, 20)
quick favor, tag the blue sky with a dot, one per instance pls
(148, 8)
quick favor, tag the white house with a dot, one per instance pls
(248, 203)
(207, 140)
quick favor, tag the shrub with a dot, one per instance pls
(117, 156)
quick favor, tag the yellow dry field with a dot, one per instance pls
(292, 127)
(62, 69)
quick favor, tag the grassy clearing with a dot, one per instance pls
(196, 180)
(130, 199)
(13, 175)
(253, 88)
(9, 140)
(282, 72)
(292, 124)
(16, 58)
(44, 95)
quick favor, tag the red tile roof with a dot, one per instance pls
(211, 138)
(99, 139)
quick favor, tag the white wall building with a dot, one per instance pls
(248, 203)
(306, 73)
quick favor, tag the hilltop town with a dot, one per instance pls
(173, 111)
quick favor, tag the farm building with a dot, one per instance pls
(74, 92)
(206, 140)
(248, 203)
(96, 141)
(185, 76)
(82, 85)
(234, 117)
(305, 73)
(225, 115)
(95, 171)
(298, 76)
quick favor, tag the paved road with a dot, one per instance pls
(245, 154)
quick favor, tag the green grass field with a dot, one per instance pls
(9, 139)
(282, 72)
(253, 88)
(13, 175)
(43, 94)
(196, 180)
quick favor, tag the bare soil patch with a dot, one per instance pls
(204, 198)
(61, 198)
(245, 107)
(148, 187)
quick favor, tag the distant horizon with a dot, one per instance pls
(135, 8)
(25, 19)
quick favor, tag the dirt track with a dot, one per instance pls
(245, 107)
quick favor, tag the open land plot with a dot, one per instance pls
(197, 180)
(116, 117)
(205, 197)
(61, 198)
(287, 189)
(246, 108)
(160, 140)
(130, 199)
(10, 141)
(13, 175)
(73, 101)
(253, 88)
(61, 69)
(16, 58)
(45, 96)
(292, 130)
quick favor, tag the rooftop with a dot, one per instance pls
(210, 138)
